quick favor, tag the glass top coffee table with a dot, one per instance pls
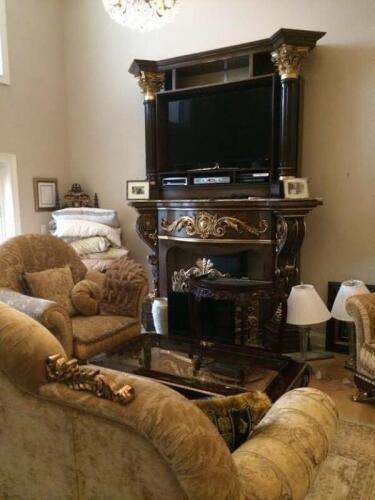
(199, 369)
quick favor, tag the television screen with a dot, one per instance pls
(232, 128)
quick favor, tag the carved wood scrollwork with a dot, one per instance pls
(290, 232)
(147, 228)
(83, 378)
(205, 225)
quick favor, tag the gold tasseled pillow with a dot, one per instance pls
(86, 296)
(235, 416)
(53, 284)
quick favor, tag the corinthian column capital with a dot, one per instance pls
(150, 82)
(288, 59)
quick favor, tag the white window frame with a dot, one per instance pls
(4, 76)
(11, 226)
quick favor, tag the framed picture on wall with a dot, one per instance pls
(45, 194)
(138, 190)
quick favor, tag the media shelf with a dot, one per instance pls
(230, 182)
(226, 70)
(211, 76)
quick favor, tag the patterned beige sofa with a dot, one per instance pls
(362, 308)
(60, 443)
(81, 336)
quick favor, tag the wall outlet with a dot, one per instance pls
(43, 229)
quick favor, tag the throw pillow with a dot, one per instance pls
(124, 281)
(86, 296)
(235, 416)
(53, 284)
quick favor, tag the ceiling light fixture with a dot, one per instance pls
(141, 14)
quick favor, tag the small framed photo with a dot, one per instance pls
(45, 194)
(296, 188)
(138, 190)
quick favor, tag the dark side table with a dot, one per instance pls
(256, 303)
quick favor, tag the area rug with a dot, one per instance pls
(349, 471)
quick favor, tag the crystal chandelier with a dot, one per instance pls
(141, 14)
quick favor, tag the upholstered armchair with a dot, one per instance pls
(362, 308)
(80, 336)
(115, 435)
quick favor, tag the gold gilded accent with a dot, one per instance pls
(180, 279)
(83, 378)
(288, 59)
(150, 83)
(205, 225)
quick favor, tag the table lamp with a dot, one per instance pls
(306, 308)
(348, 289)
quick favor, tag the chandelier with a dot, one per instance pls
(141, 14)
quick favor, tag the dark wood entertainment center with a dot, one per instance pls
(233, 213)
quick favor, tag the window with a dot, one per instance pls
(4, 63)
(9, 201)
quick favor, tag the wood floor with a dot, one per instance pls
(331, 377)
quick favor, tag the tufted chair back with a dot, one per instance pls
(36, 252)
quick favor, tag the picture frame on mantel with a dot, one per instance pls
(296, 188)
(138, 190)
(45, 194)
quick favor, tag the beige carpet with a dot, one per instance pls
(349, 471)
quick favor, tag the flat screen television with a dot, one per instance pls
(228, 126)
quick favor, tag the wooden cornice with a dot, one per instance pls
(282, 36)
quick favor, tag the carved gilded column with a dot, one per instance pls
(288, 59)
(147, 229)
(290, 233)
(150, 82)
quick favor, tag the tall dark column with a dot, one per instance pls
(150, 133)
(288, 59)
(288, 148)
(150, 82)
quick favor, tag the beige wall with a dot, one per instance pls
(32, 108)
(105, 113)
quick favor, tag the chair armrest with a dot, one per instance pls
(282, 457)
(362, 308)
(51, 315)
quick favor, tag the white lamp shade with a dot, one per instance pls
(347, 289)
(305, 307)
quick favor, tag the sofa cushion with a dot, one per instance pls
(93, 334)
(85, 297)
(235, 416)
(90, 329)
(53, 284)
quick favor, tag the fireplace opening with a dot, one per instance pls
(220, 320)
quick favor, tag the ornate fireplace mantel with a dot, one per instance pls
(272, 228)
